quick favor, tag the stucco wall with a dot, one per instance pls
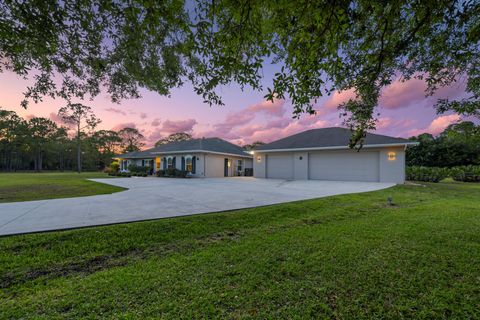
(392, 170)
(259, 165)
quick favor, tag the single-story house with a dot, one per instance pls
(205, 157)
(323, 154)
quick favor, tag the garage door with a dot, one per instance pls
(344, 166)
(280, 166)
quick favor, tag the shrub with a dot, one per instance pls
(160, 173)
(144, 174)
(428, 174)
(118, 174)
(171, 172)
(138, 169)
(114, 167)
(466, 173)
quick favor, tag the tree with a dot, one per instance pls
(12, 135)
(179, 136)
(318, 46)
(132, 139)
(107, 144)
(253, 145)
(40, 131)
(81, 117)
(457, 145)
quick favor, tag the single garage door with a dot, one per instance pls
(280, 166)
(344, 166)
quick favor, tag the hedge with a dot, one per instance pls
(435, 174)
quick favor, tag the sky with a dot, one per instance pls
(246, 116)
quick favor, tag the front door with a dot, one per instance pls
(225, 168)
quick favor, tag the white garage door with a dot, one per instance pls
(344, 166)
(280, 166)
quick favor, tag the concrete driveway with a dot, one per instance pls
(153, 198)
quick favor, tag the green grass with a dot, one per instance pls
(348, 257)
(39, 186)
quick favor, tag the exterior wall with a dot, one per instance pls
(206, 164)
(259, 165)
(392, 170)
(214, 165)
(300, 165)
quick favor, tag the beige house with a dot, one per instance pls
(206, 157)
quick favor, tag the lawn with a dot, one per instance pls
(39, 186)
(349, 257)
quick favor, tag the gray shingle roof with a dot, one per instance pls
(327, 137)
(204, 144)
(145, 154)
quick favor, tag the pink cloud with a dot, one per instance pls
(274, 108)
(437, 125)
(29, 116)
(401, 94)
(121, 126)
(170, 126)
(143, 115)
(155, 122)
(337, 98)
(56, 118)
(116, 110)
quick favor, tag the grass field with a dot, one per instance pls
(48, 185)
(349, 257)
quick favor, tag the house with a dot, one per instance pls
(206, 157)
(323, 154)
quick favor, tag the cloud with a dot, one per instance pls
(337, 98)
(56, 118)
(143, 115)
(155, 122)
(116, 110)
(401, 94)
(29, 116)
(171, 126)
(437, 125)
(121, 126)
(274, 108)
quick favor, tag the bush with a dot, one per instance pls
(428, 174)
(137, 169)
(175, 173)
(466, 173)
(144, 175)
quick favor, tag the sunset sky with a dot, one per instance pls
(246, 116)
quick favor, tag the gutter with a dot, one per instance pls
(203, 151)
(340, 147)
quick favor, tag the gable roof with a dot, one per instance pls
(333, 137)
(213, 145)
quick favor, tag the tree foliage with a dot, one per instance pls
(131, 139)
(174, 137)
(39, 143)
(457, 145)
(318, 46)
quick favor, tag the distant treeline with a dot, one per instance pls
(40, 144)
(457, 145)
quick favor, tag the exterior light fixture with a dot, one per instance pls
(392, 156)
(259, 158)
(229, 163)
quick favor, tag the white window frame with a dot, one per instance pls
(170, 163)
(239, 165)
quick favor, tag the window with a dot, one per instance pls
(188, 164)
(169, 163)
(239, 165)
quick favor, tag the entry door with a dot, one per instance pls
(225, 168)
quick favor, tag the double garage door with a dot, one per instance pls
(340, 166)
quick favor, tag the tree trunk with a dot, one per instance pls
(79, 151)
(40, 161)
